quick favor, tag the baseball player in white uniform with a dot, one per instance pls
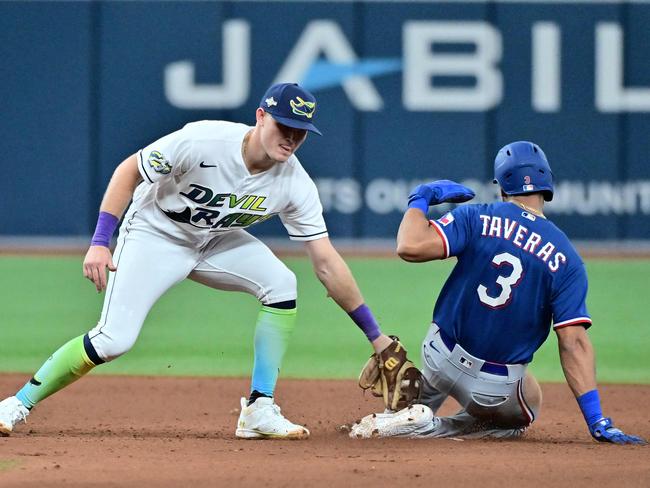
(192, 193)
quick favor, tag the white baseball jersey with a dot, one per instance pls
(196, 184)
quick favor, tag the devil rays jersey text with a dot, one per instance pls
(196, 184)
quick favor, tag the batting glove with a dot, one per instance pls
(437, 192)
(603, 430)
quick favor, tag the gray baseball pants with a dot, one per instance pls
(498, 401)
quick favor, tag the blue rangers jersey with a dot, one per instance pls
(516, 274)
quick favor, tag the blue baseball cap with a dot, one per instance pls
(291, 105)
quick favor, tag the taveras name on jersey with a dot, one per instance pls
(508, 229)
(516, 274)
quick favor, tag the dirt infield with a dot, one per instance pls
(179, 432)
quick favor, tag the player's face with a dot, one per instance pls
(279, 141)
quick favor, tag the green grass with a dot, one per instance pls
(8, 464)
(194, 330)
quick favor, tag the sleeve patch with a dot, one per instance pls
(446, 219)
(159, 163)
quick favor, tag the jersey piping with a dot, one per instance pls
(143, 170)
(441, 233)
(576, 321)
(308, 235)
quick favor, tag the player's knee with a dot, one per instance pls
(532, 393)
(285, 285)
(108, 348)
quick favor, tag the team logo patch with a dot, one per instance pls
(158, 162)
(446, 219)
(301, 107)
(527, 180)
(270, 102)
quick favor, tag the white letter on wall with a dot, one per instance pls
(325, 37)
(547, 62)
(611, 95)
(182, 91)
(421, 64)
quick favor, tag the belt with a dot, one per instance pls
(488, 367)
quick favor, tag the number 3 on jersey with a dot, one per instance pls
(507, 283)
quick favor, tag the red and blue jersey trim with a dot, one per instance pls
(570, 322)
(441, 233)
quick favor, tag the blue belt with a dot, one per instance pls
(488, 367)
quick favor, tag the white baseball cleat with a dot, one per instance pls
(12, 411)
(408, 422)
(263, 420)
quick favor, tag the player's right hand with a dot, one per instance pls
(97, 259)
(442, 191)
(603, 430)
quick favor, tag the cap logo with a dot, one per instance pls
(270, 102)
(302, 107)
(527, 180)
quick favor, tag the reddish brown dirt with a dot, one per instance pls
(179, 432)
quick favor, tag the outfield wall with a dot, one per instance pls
(408, 91)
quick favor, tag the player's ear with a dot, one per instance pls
(259, 116)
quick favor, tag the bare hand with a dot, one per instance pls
(97, 259)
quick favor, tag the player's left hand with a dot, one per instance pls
(603, 430)
(441, 191)
(97, 260)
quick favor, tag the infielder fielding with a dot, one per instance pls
(193, 193)
(516, 274)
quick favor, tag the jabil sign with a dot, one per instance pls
(323, 57)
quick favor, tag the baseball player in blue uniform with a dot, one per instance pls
(190, 195)
(516, 274)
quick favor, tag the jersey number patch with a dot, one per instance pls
(506, 282)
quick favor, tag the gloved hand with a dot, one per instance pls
(391, 375)
(603, 430)
(437, 192)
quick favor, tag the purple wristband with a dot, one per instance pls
(106, 224)
(364, 319)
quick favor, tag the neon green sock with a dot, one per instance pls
(69, 363)
(272, 334)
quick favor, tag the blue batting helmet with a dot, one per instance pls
(521, 167)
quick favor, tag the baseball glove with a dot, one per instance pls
(391, 375)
